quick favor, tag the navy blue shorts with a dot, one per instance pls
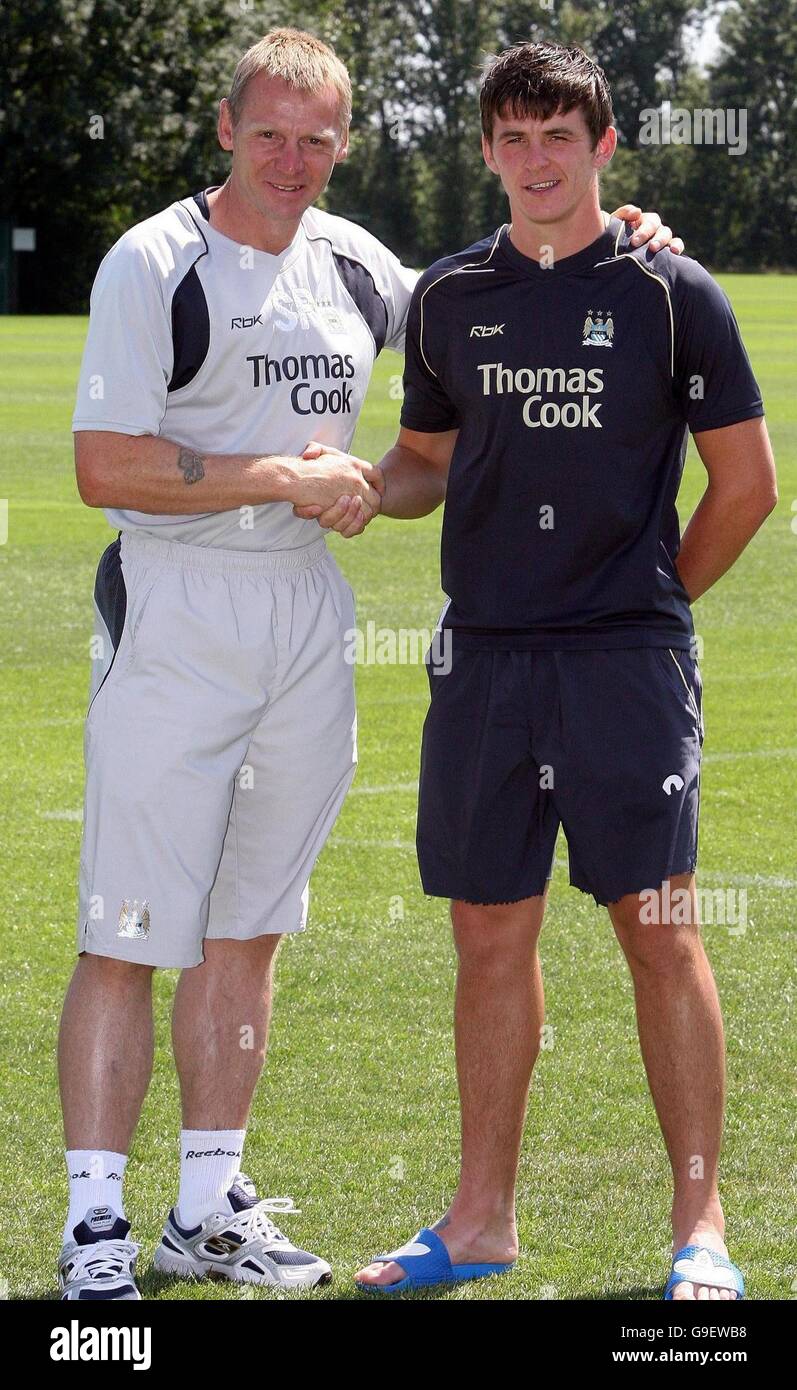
(605, 743)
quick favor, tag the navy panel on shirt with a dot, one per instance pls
(190, 329)
(360, 283)
(573, 388)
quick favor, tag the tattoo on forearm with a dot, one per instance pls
(191, 465)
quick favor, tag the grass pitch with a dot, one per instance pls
(356, 1113)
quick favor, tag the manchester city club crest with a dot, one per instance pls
(331, 316)
(134, 920)
(598, 331)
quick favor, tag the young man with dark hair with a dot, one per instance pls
(552, 376)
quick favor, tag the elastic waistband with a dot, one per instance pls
(210, 558)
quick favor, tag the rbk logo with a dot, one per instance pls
(244, 322)
(483, 330)
(225, 1243)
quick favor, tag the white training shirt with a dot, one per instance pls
(229, 350)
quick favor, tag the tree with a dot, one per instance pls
(639, 43)
(106, 114)
(377, 184)
(755, 76)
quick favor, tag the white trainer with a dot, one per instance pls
(242, 1244)
(100, 1263)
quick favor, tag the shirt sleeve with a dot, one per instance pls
(399, 283)
(426, 406)
(713, 377)
(128, 356)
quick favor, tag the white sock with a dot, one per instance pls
(209, 1161)
(95, 1180)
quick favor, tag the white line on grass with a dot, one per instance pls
(737, 880)
(750, 753)
(748, 880)
(705, 876)
(405, 846)
(726, 756)
(56, 723)
(736, 677)
(389, 790)
(345, 842)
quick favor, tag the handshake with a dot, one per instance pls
(341, 492)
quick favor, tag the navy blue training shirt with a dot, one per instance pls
(573, 389)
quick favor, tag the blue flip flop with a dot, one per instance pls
(427, 1262)
(698, 1264)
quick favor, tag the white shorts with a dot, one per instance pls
(220, 742)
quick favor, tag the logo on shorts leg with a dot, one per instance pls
(673, 783)
(134, 920)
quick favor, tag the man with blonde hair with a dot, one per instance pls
(227, 334)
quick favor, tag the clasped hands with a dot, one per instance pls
(338, 490)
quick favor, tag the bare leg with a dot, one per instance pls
(683, 1048)
(220, 1020)
(497, 1021)
(105, 1052)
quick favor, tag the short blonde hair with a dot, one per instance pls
(299, 59)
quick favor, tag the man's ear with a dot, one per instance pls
(487, 153)
(224, 126)
(605, 148)
(343, 151)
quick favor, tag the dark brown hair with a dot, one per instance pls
(539, 79)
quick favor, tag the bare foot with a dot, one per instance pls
(465, 1245)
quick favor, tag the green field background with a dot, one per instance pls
(356, 1114)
